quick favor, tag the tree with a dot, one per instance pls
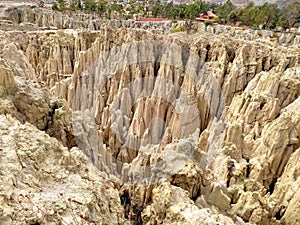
(235, 16)
(249, 15)
(169, 11)
(292, 13)
(60, 5)
(212, 6)
(268, 15)
(54, 6)
(181, 11)
(101, 7)
(117, 7)
(89, 5)
(195, 9)
(79, 4)
(75, 5)
(157, 9)
(282, 21)
(223, 11)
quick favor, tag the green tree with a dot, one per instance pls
(157, 9)
(268, 15)
(292, 13)
(282, 21)
(223, 11)
(212, 6)
(54, 6)
(181, 11)
(89, 5)
(73, 6)
(62, 5)
(101, 7)
(235, 16)
(249, 15)
(195, 9)
(168, 11)
(117, 7)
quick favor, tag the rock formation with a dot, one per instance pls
(43, 182)
(175, 128)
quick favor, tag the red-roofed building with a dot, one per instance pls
(209, 15)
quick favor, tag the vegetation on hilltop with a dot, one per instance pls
(266, 16)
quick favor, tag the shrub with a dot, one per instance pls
(208, 22)
(216, 19)
(275, 36)
(49, 33)
(179, 29)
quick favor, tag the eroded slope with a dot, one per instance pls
(198, 129)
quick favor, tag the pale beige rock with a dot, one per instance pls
(172, 205)
(215, 113)
(6, 78)
(39, 175)
(189, 179)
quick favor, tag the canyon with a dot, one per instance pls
(124, 122)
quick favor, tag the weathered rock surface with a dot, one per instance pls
(192, 129)
(43, 182)
(33, 19)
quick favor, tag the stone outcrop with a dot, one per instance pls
(189, 129)
(43, 182)
(28, 102)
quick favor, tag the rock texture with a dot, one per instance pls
(36, 19)
(43, 182)
(189, 129)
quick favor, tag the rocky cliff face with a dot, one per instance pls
(189, 129)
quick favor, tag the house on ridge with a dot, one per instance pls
(209, 15)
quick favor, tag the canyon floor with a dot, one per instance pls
(124, 122)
